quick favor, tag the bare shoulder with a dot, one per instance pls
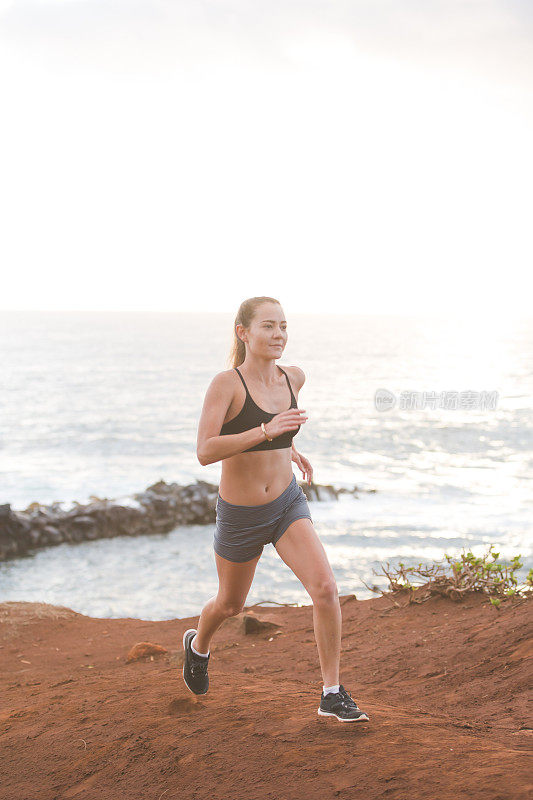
(223, 382)
(227, 375)
(296, 376)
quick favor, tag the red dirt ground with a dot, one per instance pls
(445, 686)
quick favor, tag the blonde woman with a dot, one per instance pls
(248, 422)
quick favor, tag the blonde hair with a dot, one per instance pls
(245, 315)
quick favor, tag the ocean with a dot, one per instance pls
(106, 403)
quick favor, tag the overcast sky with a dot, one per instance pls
(366, 156)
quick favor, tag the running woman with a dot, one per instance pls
(259, 500)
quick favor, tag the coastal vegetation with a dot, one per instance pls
(457, 577)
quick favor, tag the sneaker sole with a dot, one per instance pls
(191, 630)
(362, 718)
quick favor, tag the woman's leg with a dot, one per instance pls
(302, 551)
(234, 581)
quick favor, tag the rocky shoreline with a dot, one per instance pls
(158, 509)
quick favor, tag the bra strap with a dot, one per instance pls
(286, 378)
(288, 382)
(242, 379)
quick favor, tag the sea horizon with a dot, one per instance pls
(107, 403)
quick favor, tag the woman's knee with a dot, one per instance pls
(229, 608)
(324, 592)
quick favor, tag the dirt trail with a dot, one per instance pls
(445, 686)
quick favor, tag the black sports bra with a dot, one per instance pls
(250, 416)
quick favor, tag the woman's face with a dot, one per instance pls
(267, 334)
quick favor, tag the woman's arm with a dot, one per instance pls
(303, 464)
(217, 448)
(212, 447)
(301, 461)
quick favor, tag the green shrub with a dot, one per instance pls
(460, 575)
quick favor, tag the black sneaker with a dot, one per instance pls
(194, 666)
(342, 706)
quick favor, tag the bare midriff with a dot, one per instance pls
(252, 479)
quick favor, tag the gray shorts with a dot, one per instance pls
(242, 531)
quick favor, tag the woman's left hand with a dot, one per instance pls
(303, 464)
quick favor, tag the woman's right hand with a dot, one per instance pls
(285, 421)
